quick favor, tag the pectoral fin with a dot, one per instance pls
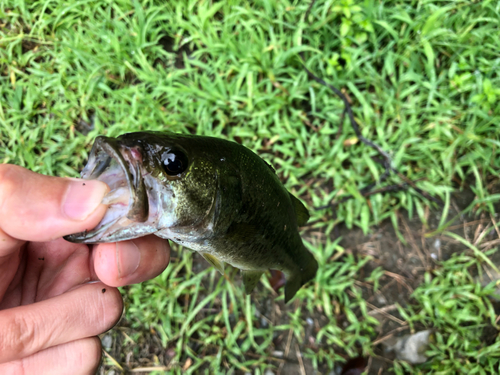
(216, 263)
(250, 279)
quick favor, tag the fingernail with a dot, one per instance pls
(128, 257)
(83, 197)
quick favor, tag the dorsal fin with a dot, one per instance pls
(300, 211)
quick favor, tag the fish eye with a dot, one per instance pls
(174, 162)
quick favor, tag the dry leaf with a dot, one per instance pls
(351, 141)
(187, 365)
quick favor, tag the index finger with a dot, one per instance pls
(34, 207)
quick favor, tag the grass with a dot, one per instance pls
(423, 80)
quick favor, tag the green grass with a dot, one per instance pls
(424, 84)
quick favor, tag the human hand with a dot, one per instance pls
(49, 312)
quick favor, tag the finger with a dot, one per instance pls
(54, 267)
(130, 262)
(35, 207)
(83, 312)
(76, 357)
(50, 269)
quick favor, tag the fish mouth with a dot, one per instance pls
(119, 167)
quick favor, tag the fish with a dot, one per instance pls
(211, 195)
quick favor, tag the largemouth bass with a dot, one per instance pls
(210, 195)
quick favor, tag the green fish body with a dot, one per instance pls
(210, 195)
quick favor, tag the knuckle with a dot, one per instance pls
(18, 339)
(24, 333)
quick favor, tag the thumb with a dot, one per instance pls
(34, 207)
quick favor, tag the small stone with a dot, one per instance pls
(437, 244)
(411, 348)
(381, 299)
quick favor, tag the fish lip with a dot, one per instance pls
(138, 207)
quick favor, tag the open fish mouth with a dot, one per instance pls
(119, 167)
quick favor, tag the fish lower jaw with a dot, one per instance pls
(92, 236)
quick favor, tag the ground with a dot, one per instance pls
(423, 83)
(404, 260)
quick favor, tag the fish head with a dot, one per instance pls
(157, 181)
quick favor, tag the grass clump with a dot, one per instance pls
(461, 311)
